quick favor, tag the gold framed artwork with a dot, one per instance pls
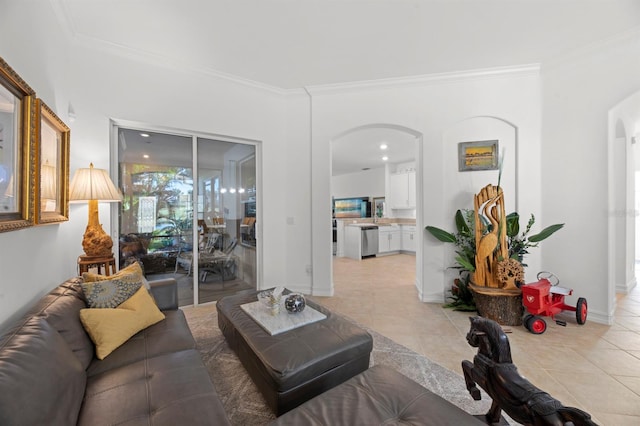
(478, 155)
(52, 200)
(17, 151)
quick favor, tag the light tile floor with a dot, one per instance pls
(593, 367)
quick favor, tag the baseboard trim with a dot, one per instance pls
(626, 288)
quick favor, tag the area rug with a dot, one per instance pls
(243, 401)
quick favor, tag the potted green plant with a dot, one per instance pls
(464, 241)
(461, 298)
(519, 244)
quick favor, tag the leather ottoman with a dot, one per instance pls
(379, 396)
(293, 367)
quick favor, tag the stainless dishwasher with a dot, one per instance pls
(369, 241)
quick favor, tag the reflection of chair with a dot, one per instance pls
(222, 263)
(184, 258)
(248, 231)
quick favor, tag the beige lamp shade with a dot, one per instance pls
(94, 185)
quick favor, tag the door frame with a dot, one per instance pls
(115, 124)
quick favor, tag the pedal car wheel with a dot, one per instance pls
(536, 325)
(525, 320)
(581, 310)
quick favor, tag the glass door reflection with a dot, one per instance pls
(225, 260)
(197, 226)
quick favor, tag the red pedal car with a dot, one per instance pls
(546, 298)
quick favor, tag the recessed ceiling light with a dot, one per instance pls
(144, 135)
(385, 158)
(383, 146)
(145, 156)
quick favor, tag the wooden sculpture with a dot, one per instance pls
(494, 281)
(490, 247)
(494, 371)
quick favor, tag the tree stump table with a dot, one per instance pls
(500, 305)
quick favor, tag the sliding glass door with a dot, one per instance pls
(194, 221)
(226, 225)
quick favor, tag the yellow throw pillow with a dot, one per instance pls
(132, 272)
(111, 327)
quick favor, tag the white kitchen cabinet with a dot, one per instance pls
(389, 239)
(402, 190)
(409, 238)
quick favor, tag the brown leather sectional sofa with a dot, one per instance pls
(50, 375)
(378, 396)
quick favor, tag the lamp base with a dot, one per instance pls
(96, 242)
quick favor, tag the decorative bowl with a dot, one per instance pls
(294, 303)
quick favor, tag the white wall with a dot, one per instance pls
(296, 241)
(366, 183)
(34, 260)
(102, 85)
(431, 108)
(578, 92)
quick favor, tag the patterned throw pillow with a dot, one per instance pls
(110, 291)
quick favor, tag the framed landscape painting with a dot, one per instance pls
(478, 155)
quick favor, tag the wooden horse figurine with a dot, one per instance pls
(494, 371)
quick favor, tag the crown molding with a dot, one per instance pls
(172, 64)
(147, 57)
(427, 79)
(630, 36)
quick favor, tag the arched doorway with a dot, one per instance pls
(624, 126)
(359, 171)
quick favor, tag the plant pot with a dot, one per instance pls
(502, 306)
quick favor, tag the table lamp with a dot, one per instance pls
(94, 185)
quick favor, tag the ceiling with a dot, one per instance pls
(361, 150)
(289, 44)
(297, 43)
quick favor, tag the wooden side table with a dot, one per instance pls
(106, 264)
